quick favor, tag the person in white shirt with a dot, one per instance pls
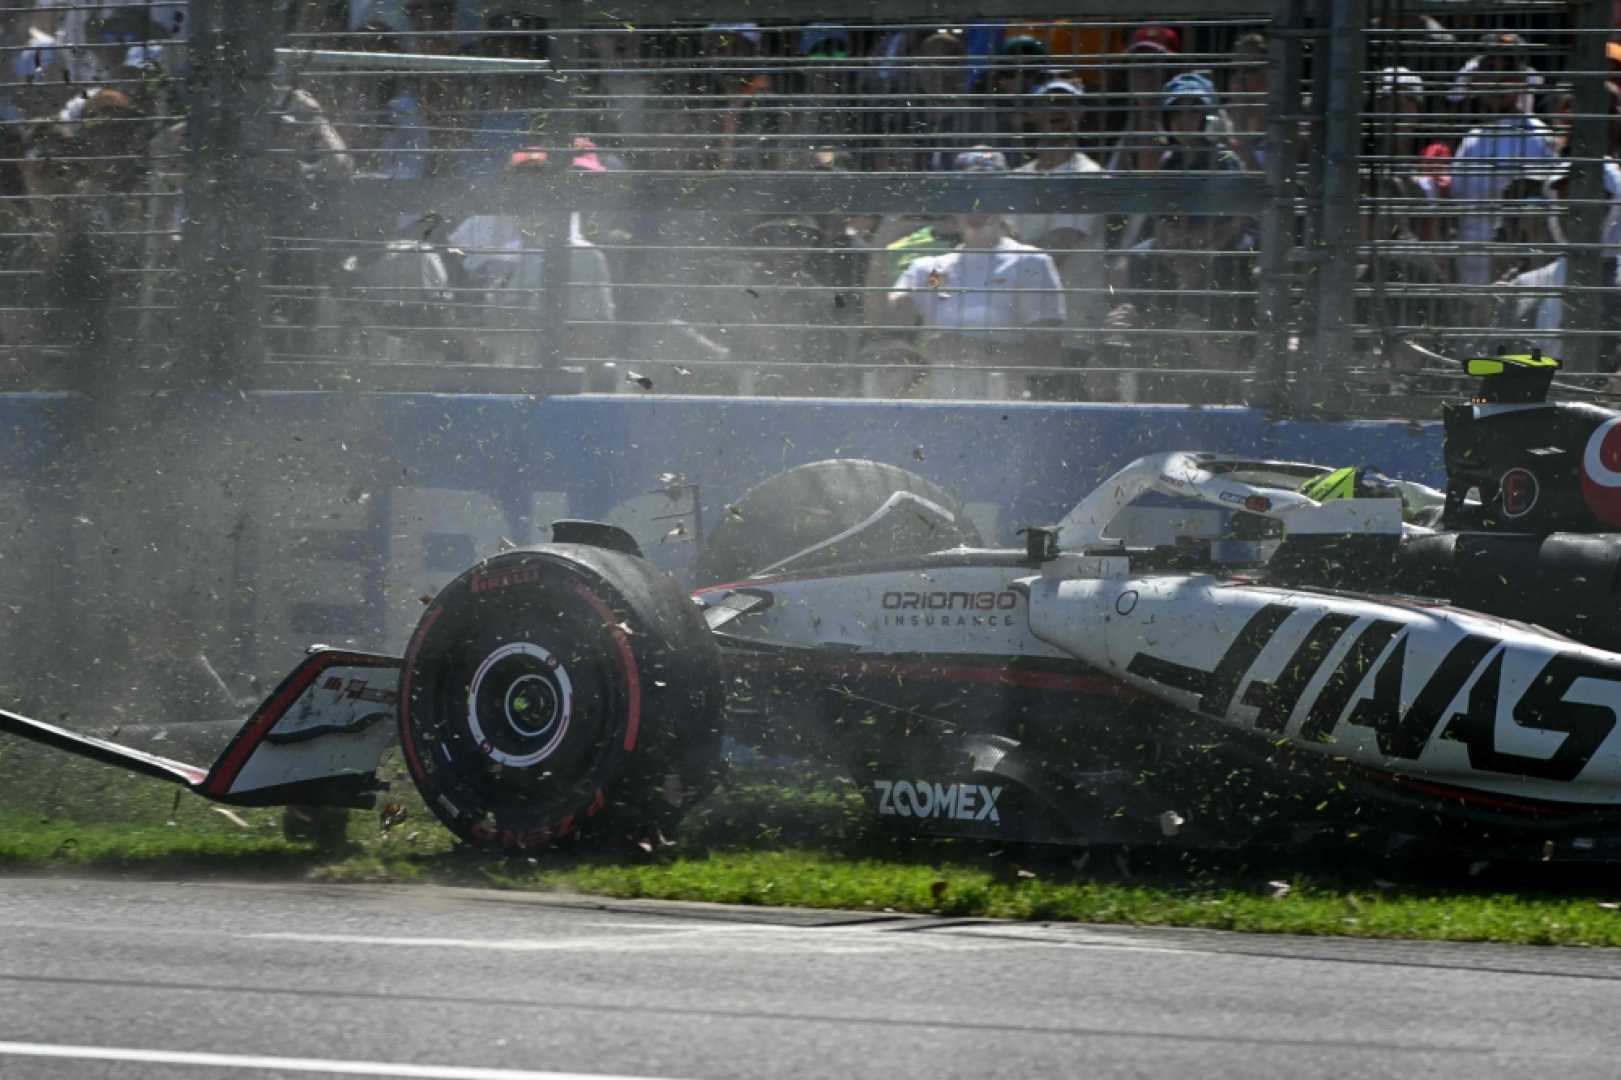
(1533, 301)
(1075, 241)
(1510, 146)
(503, 253)
(993, 302)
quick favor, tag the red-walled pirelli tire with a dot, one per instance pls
(560, 690)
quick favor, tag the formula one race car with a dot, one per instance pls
(1312, 651)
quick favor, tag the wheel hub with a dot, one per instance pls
(519, 704)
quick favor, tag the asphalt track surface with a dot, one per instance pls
(145, 980)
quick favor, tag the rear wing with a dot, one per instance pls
(316, 740)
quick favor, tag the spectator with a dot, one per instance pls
(108, 130)
(1019, 66)
(132, 25)
(900, 240)
(990, 303)
(1200, 134)
(1247, 86)
(310, 160)
(1564, 105)
(937, 121)
(818, 117)
(307, 151)
(1480, 74)
(309, 144)
(727, 104)
(1146, 145)
(1397, 100)
(1055, 119)
(401, 296)
(433, 26)
(1150, 64)
(503, 106)
(1532, 302)
(504, 255)
(1507, 145)
(72, 45)
(60, 36)
(1077, 49)
(1395, 106)
(385, 125)
(886, 75)
(22, 64)
(1559, 123)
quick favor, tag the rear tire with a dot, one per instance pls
(804, 506)
(560, 690)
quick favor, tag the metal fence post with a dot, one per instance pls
(1589, 136)
(228, 109)
(1276, 276)
(558, 100)
(1337, 237)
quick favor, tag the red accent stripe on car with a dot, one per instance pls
(1478, 798)
(1022, 678)
(225, 771)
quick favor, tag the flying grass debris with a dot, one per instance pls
(392, 814)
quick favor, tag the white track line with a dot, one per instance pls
(763, 938)
(773, 940)
(283, 1064)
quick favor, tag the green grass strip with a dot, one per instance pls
(810, 879)
(797, 841)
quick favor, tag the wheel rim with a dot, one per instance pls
(520, 693)
(519, 704)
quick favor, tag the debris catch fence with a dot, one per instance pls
(1298, 204)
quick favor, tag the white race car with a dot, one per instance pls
(1206, 650)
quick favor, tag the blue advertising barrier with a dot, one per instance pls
(288, 517)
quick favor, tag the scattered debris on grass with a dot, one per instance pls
(794, 839)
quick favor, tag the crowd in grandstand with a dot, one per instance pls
(92, 184)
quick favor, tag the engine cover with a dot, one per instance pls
(1539, 468)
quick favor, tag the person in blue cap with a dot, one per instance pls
(1200, 132)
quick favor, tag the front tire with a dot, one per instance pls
(557, 691)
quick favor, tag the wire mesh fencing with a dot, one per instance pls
(1108, 207)
(1488, 187)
